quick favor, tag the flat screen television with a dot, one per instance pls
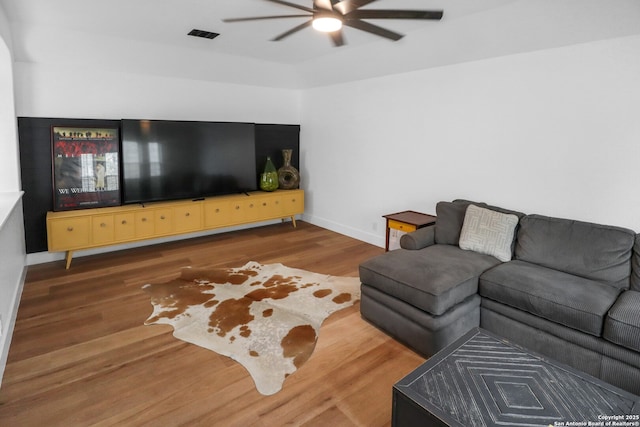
(171, 160)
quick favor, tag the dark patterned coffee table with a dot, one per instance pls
(483, 380)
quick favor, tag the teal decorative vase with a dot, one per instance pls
(269, 178)
(288, 175)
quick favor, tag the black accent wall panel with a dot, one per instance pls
(271, 140)
(34, 136)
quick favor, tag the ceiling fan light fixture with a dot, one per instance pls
(327, 24)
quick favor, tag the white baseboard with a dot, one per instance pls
(371, 238)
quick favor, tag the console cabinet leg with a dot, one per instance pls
(293, 220)
(68, 258)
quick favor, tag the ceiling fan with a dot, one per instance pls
(330, 15)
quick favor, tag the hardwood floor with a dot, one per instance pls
(81, 356)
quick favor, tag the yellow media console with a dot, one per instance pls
(90, 228)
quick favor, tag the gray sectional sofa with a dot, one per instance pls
(567, 289)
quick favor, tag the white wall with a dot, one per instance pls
(52, 91)
(554, 132)
(12, 246)
(9, 161)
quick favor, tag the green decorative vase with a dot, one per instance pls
(269, 178)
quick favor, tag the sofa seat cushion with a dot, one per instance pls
(622, 325)
(433, 279)
(569, 300)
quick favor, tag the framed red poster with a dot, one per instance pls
(86, 167)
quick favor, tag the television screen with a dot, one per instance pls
(170, 160)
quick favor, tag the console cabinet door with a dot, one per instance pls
(239, 210)
(163, 221)
(69, 233)
(102, 229)
(268, 206)
(144, 223)
(188, 217)
(124, 226)
(293, 202)
(217, 213)
(250, 211)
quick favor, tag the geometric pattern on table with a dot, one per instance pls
(487, 382)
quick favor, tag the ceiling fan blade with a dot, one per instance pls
(323, 4)
(337, 37)
(394, 14)
(293, 30)
(348, 6)
(257, 18)
(297, 6)
(373, 29)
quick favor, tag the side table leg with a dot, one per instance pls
(388, 231)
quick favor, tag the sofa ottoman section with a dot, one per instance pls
(622, 325)
(425, 333)
(440, 276)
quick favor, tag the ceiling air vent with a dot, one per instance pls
(203, 34)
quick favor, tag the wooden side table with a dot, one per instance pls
(407, 221)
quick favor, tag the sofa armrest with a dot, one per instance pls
(421, 238)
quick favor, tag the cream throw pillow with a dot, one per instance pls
(488, 232)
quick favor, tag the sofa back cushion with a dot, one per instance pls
(449, 220)
(596, 252)
(635, 265)
(493, 208)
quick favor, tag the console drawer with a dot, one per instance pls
(69, 233)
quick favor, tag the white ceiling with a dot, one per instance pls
(150, 36)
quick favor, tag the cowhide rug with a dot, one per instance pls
(266, 317)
